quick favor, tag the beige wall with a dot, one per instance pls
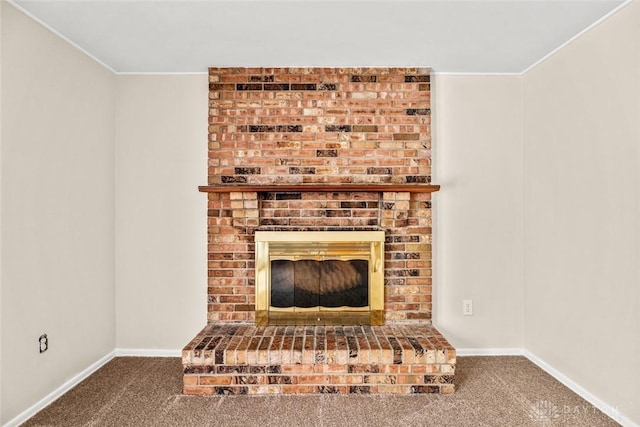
(161, 224)
(477, 158)
(161, 287)
(581, 211)
(57, 174)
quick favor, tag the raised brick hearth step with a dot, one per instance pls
(233, 358)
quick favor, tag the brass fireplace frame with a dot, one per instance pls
(319, 245)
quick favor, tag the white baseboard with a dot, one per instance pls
(120, 352)
(607, 409)
(144, 352)
(489, 352)
(68, 385)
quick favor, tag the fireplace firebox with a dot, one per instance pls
(319, 277)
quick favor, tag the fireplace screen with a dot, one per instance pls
(319, 277)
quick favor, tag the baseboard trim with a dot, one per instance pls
(607, 409)
(55, 394)
(144, 352)
(489, 352)
(603, 406)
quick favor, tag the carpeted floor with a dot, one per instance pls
(491, 391)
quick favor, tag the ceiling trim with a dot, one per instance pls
(56, 33)
(205, 73)
(161, 73)
(452, 73)
(577, 36)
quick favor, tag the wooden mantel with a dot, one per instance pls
(329, 188)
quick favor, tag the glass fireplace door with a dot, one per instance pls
(319, 277)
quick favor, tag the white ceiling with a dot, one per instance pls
(452, 36)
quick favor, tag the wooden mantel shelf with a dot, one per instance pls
(329, 188)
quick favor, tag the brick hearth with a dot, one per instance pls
(248, 359)
(326, 127)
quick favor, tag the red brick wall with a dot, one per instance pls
(319, 125)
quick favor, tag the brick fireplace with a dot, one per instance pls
(319, 149)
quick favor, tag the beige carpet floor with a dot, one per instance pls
(491, 391)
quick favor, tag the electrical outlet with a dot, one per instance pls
(44, 343)
(467, 307)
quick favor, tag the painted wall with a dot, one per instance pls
(581, 211)
(160, 162)
(477, 159)
(161, 223)
(57, 174)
